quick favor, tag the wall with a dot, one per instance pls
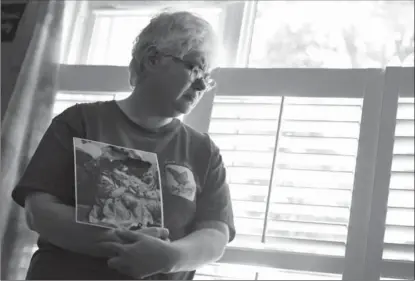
(12, 57)
(13, 53)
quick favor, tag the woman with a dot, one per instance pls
(169, 72)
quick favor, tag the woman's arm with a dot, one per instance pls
(55, 222)
(205, 245)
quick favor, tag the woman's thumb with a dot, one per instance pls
(157, 232)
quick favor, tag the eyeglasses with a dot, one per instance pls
(197, 73)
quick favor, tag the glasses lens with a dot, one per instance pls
(210, 83)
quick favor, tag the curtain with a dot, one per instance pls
(26, 119)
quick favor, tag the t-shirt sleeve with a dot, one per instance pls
(51, 168)
(214, 201)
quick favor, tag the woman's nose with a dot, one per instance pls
(199, 84)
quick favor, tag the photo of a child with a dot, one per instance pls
(117, 187)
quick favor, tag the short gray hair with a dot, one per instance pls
(174, 33)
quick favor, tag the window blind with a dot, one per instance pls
(399, 228)
(315, 146)
(245, 131)
(313, 175)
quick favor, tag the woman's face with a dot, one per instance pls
(174, 91)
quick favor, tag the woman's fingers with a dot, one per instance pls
(158, 232)
(134, 236)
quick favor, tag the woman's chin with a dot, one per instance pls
(184, 107)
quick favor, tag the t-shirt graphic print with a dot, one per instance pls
(116, 187)
(180, 181)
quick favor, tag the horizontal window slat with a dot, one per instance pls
(404, 128)
(322, 121)
(324, 101)
(311, 196)
(398, 252)
(250, 143)
(405, 111)
(402, 181)
(404, 145)
(403, 163)
(254, 159)
(320, 129)
(400, 216)
(401, 198)
(249, 209)
(247, 100)
(399, 234)
(322, 113)
(309, 213)
(250, 127)
(242, 111)
(317, 179)
(314, 179)
(317, 162)
(260, 176)
(319, 145)
(311, 135)
(312, 151)
(286, 167)
(255, 193)
(302, 245)
(404, 100)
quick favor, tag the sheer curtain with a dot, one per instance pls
(25, 121)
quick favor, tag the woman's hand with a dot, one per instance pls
(156, 232)
(142, 253)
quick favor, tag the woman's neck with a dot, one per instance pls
(138, 111)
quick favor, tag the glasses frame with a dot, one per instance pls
(197, 73)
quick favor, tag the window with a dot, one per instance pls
(108, 32)
(324, 34)
(109, 46)
(305, 129)
(290, 149)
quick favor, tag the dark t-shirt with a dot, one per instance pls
(178, 147)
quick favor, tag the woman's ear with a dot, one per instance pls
(133, 74)
(153, 58)
(133, 80)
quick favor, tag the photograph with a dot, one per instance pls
(116, 187)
